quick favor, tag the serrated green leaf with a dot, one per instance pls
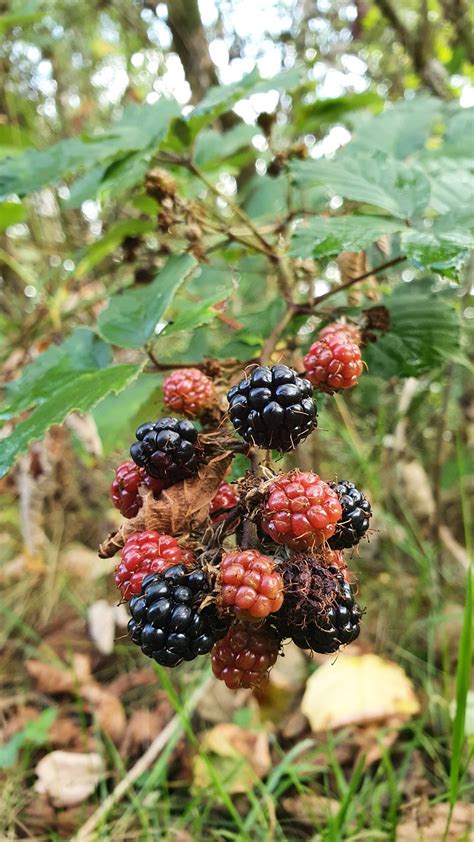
(10, 214)
(433, 251)
(140, 126)
(323, 236)
(131, 316)
(107, 244)
(80, 395)
(81, 352)
(423, 333)
(401, 190)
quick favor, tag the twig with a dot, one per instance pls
(85, 833)
(237, 210)
(277, 331)
(388, 265)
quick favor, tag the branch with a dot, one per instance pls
(320, 298)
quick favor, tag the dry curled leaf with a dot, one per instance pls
(352, 265)
(69, 778)
(357, 689)
(178, 509)
(309, 807)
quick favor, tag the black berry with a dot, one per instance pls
(356, 512)
(167, 449)
(319, 611)
(168, 622)
(273, 408)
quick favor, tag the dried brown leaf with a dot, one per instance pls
(56, 680)
(129, 680)
(69, 778)
(309, 807)
(101, 624)
(142, 728)
(186, 504)
(24, 715)
(108, 710)
(353, 264)
(428, 823)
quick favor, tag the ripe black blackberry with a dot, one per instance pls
(167, 449)
(167, 620)
(319, 611)
(273, 408)
(356, 512)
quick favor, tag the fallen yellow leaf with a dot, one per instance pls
(357, 689)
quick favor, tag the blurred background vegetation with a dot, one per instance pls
(76, 226)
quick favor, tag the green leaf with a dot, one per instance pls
(81, 352)
(323, 236)
(190, 316)
(327, 111)
(140, 127)
(400, 130)
(80, 394)
(401, 190)
(222, 98)
(10, 214)
(445, 247)
(266, 197)
(21, 15)
(423, 333)
(101, 249)
(131, 317)
(213, 147)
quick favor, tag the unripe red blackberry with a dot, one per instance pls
(333, 364)
(301, 510)
(356, 513)
(250, 583)
(225, 499)
(273, 408)
(124, 489)
(319, 611)
(188, 391)
(144, 553)
(171, 621)
(167, 449)
(347, 332)
(244, 657)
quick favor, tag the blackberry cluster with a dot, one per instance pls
(356, 512)
(284, 576)
(273, 408)
(168, 622)
(167, 449)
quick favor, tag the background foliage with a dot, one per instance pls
(323, 169)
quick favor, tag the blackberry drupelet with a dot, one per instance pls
(319, 611)
(356, 512)
(167, 449)
(167, 620)
(273, 408)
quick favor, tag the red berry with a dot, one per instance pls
(245, 656)
(300, 510)
(225, 499)
(189, 391)
(144, 553)
(124, 489)
(333, 363)
(347, 332)
(249, 582)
